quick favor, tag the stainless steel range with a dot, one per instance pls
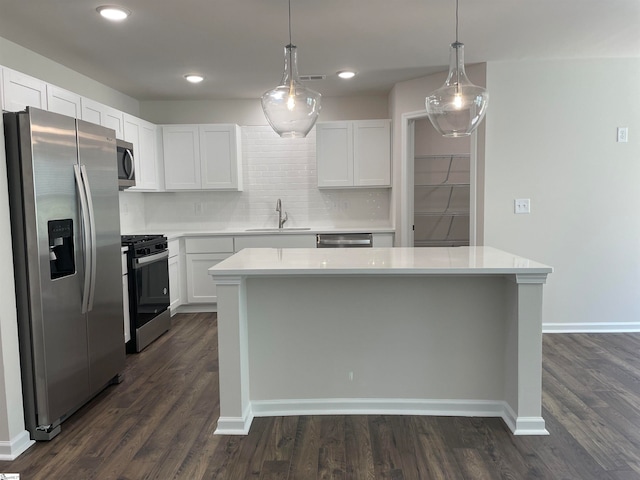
(148, 272)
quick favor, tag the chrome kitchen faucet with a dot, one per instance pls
(279, 210)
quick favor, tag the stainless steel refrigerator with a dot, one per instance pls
(65, 222)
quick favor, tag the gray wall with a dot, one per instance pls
(551, 137)
(249, 111)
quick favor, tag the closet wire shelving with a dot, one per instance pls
(444, 221)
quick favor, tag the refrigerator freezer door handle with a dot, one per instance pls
(94, 241)
(87, 237)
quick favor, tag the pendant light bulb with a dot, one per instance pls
(291, 108)
(457, 108)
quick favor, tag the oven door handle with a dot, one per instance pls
(142, 261)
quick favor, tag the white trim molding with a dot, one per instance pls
(427, 407)
(11, 450)
(235, 425)
(603, 327)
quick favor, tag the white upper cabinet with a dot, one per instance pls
(63, 102)
(181, 149)
(104, 115)
(372, 153)
(354, 153)
(221, 157)
(144, 136)
(334, 154)
(21, 91)
(202, 157)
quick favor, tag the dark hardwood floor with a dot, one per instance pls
(159, 423)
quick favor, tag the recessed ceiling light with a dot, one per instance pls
(346, 74)
(194, 78)
(113, 12)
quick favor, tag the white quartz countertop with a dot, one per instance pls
(389, 261)
(173, 234)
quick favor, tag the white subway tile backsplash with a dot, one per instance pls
(273, 168)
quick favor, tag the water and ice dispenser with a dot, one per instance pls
(61, 249)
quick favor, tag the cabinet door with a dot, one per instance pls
(334, 154)
(174, 283)
(372, 153)
(100, 114)
(63, 102)
(181, 149)
(200, 285)
(113, 118)
(21, 91)
(220, 157)
(143, 135)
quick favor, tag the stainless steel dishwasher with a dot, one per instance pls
(344, 240)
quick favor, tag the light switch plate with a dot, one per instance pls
(522, 205)
(623, 134)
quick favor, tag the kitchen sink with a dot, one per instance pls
(291, 229)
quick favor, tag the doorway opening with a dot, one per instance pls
(442, 198)
(441, 188)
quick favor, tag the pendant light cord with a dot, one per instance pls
(291, 84)
(456, 21)
(290, 43)
(457, 44)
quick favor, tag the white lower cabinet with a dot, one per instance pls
(276, 241)
(383, 240)
(176, 276)
(190, 282)
(200, 285)
(201, 254)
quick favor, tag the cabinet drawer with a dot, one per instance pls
(209, 245)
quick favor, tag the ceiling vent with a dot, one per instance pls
(312, 77)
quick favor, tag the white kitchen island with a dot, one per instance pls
(414, 331)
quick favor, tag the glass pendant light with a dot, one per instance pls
(457, 108)
(291, 108)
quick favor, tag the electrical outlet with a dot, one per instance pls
(197, 208)
(522, 205)
(623, 134)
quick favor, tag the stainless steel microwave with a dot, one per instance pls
(126, 165)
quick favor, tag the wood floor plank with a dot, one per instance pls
(472, 464)
(159, 424)
(332, 455)
(359, 458)
(304, 463)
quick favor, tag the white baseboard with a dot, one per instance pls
(195, 308)
(367, 406)
(613, 327)
(523, 425)
(235, 425)
(19, 444)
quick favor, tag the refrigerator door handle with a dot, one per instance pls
(87, 237)
(94, 240)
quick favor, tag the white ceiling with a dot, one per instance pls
(238, 44)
